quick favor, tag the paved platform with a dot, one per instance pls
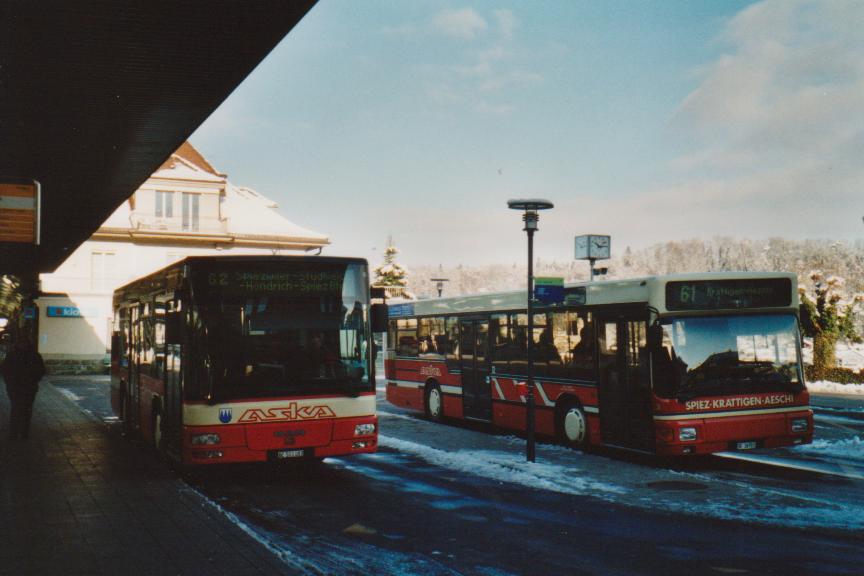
(77, 498)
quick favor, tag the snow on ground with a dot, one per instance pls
(826, 387)
(506, 467)
(698, 492)
(849, 354)
(846, 448)
(70, 395)
(314, 554)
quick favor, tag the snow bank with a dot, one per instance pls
(846, 448)
(506, 467)
(826, 387)
(69, 394)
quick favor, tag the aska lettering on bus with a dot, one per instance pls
(430, 371)
(740, 402)
(288, 413)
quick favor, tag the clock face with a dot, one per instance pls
(592, 246)
(600, 247)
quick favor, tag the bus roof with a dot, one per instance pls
(648, 289)
(171, 276)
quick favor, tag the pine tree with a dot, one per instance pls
(391, 274)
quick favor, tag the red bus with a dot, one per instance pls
(671, 365)
(247, 359)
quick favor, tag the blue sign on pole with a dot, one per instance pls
(549, 290)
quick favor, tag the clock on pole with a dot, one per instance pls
(593, 247)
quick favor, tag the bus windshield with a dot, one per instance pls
(279, 333)
(722, 355)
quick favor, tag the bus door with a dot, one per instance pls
(624, 392)
(172, 425)
(132, 415)
(476, 390)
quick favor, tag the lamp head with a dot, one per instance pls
(531, 206)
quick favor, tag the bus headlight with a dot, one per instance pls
(364, 429)
(799, 425)
(203, 439)
(687, 434)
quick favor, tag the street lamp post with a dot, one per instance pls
(530, 207)
(439, 284)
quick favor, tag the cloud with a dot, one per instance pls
(465, 23)
(774, 131)
(793, 76)
(401, 30)
(507, 22)
(483, 75)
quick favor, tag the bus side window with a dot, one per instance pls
(562, 341)
(581, 329)
(518, 344)
(543, 350)
(439, 337)
(391, 335)
(442, 343)
(609, 338)
(406, 344)
(451, 326)
(499, 343)
(429, 334)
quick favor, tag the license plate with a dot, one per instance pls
(289, 453)
(745, 445)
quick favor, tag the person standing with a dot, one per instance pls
(22, 370)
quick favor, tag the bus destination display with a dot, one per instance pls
(728, 294)
(301, 282)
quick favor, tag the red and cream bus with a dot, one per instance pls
(247, 359)
(672, 365)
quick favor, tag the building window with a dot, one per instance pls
(164, 204)
(101, 265)
(190, 210)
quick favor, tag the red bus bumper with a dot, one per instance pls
(733, 433)
(263, 442)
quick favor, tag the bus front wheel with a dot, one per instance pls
(573, 426)
(434, 402)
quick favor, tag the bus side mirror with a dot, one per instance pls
(655, 336)
(172, 327)
(379, 317)
(115, 345)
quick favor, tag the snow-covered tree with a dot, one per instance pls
(392, 275)
(827, 315)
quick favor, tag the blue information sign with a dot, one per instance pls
(400, 310)
(549, 290)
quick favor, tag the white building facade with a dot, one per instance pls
(185, 208)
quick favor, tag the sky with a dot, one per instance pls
(647, 121)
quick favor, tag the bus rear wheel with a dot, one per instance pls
(434, 402)
(573, 426)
